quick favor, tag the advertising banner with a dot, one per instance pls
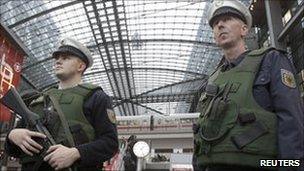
(11, 57)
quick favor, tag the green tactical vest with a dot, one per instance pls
(71, 102)
(232, 128)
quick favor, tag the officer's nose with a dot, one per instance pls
(58, 60)
(219, 24)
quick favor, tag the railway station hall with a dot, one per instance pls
(143, 85)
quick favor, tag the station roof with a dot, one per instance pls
(149, 56)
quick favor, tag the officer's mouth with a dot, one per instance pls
(221, 34)
(58, 68)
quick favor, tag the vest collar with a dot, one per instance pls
(229, 65)
(60, 88)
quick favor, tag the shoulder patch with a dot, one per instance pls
(111, 115)
(288, 78)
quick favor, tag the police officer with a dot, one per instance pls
(251, 108)
(79, 116)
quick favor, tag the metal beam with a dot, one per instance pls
(159, 98)
(126, 95)
(43, 13)
(50, 58)
(123, 54)
(162, 40)
(292, 23)
(149, 108)
(192, 74)
(132, 75)
(170, 85)
(148, 69)
(99, 50)
(136, 103)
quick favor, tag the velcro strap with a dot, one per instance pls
(211, 89)
(246, 118)
(258, 129)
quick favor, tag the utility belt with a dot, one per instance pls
(227, 133)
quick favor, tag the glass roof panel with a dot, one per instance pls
(140, 48)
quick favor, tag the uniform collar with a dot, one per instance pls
(60, 88)
(229, 65)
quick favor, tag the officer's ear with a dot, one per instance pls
(81, 66)
(244, 30)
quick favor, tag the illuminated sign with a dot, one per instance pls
(7, 75)
(10, 69)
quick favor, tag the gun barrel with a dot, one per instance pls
(13, 101)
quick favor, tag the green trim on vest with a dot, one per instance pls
(234, 129)
(71, 101)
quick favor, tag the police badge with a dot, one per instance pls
(111, 115)
(288, 78)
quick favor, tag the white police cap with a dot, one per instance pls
(234, 7)
(74, 47)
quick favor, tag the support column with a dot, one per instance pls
(275, 23)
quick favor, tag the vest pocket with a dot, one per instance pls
(254, 128)
(206, 100)
(214, 124)
(203, 104)
(218, 125)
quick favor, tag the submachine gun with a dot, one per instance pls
(13, 101)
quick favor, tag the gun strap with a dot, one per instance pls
(63, 121)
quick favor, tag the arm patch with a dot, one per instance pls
(288, 78)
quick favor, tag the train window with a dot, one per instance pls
(164, 150)
(136, 123)
(187, 150)
(183, 121)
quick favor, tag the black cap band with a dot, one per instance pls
(227, 11)
(71, 50)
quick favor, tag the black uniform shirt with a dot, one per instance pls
(273, 95)
(106, 141)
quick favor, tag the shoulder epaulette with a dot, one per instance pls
(261, 51)
(89, 86)
(49, 88)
